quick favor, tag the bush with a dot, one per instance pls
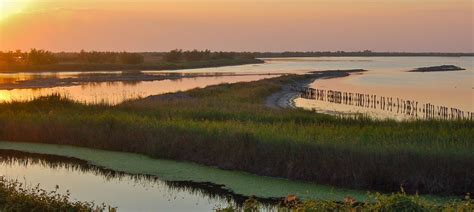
(379, 202)
(41, 57)
(15, 196)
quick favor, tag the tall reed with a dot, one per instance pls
(228, 126)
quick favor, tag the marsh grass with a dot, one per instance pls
(16, 196)
(399, 201)
(228, 126)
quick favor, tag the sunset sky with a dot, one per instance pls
(245, 25)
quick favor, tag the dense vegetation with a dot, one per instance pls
(15, 196)
(41, 60)
(228, 126)
(42, 57)
(179, 55)
(378, 202)
(34, 57)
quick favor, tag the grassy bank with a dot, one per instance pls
(228, 126)
(394, 202)
(126, 67)
(15, 196)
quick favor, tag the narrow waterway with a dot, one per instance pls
(134, 182)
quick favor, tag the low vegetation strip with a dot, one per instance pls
(288, 92)
(230, 127)
(438, 68)
(394, 202)
(15, 196)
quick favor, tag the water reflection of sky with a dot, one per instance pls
(388, 76)
(127, 193)
(448, 89)
(115, 92)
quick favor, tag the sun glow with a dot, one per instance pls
(9, 7)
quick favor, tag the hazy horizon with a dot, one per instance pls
(265, 26)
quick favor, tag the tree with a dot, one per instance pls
(98, 57)
(174, 55)
(7, 58)
(131, 58)
(41, 57)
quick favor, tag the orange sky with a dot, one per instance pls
(245, 25)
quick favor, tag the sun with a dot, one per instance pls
(9, 7)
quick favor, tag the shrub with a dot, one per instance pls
(15, 196)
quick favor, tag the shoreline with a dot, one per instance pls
(284, 99)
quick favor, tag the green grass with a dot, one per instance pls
(228, 126)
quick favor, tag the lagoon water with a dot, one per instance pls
(389, 78)
(117, 92)
(386, 77)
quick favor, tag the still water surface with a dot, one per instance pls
(126, 192)
(116, 92)
(388, 78)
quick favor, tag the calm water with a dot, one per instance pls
(386, 77)
(127, 192)
(116, 92)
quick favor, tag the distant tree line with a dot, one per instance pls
(96, 57)
(34, 57)
(43, 57)
(365, 53)
(179, 55)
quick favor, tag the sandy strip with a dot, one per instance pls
(285, 98)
